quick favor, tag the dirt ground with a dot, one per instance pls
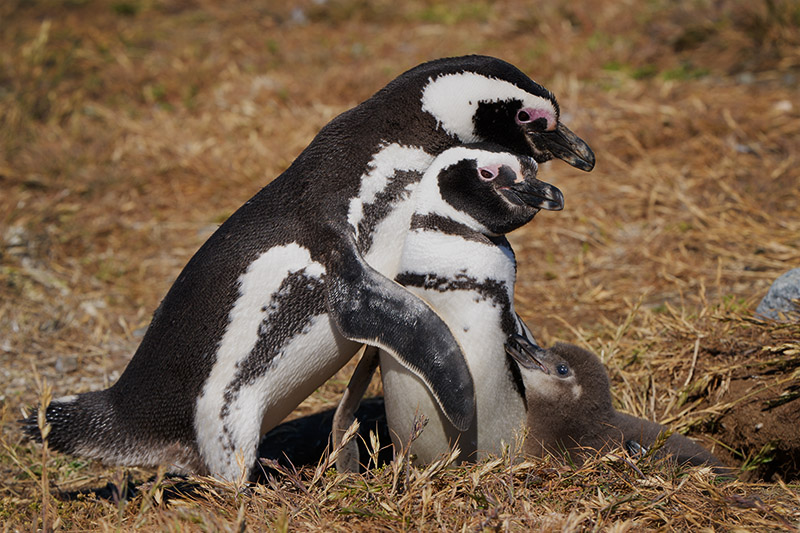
(129, 129)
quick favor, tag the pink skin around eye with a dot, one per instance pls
(535, 114)
(489, 173)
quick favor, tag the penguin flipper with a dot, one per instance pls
(368, 307)
(345, 414)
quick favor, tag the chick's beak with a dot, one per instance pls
(526, 353)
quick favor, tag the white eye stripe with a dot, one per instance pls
(452, 99)
(482, 158)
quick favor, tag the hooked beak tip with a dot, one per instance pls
(565, 145)
(538, 195)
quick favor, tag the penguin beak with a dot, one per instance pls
(535, 193)
(526, 353)
(565, 145)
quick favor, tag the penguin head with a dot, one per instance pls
(488, 189)
(478, 98)
(566, 376)
(567, 396)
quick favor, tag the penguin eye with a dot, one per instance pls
(487, 173)
(562, 369)
(523, 116)
(537, 119)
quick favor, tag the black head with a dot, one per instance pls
(479, 98)
(488, 189)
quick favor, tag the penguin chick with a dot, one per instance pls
(570, 408)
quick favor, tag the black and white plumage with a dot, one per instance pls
(456, 259)
(285, 291)
(570, 409)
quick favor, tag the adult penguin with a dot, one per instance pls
(456, 258)
(287, 288)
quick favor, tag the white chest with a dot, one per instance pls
(470, 285)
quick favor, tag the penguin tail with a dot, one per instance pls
(88, 425)
(78, 426)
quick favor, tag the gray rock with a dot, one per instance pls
(779, 297)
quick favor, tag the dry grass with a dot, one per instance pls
(129, 129)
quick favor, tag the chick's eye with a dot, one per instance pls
(562, 369)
